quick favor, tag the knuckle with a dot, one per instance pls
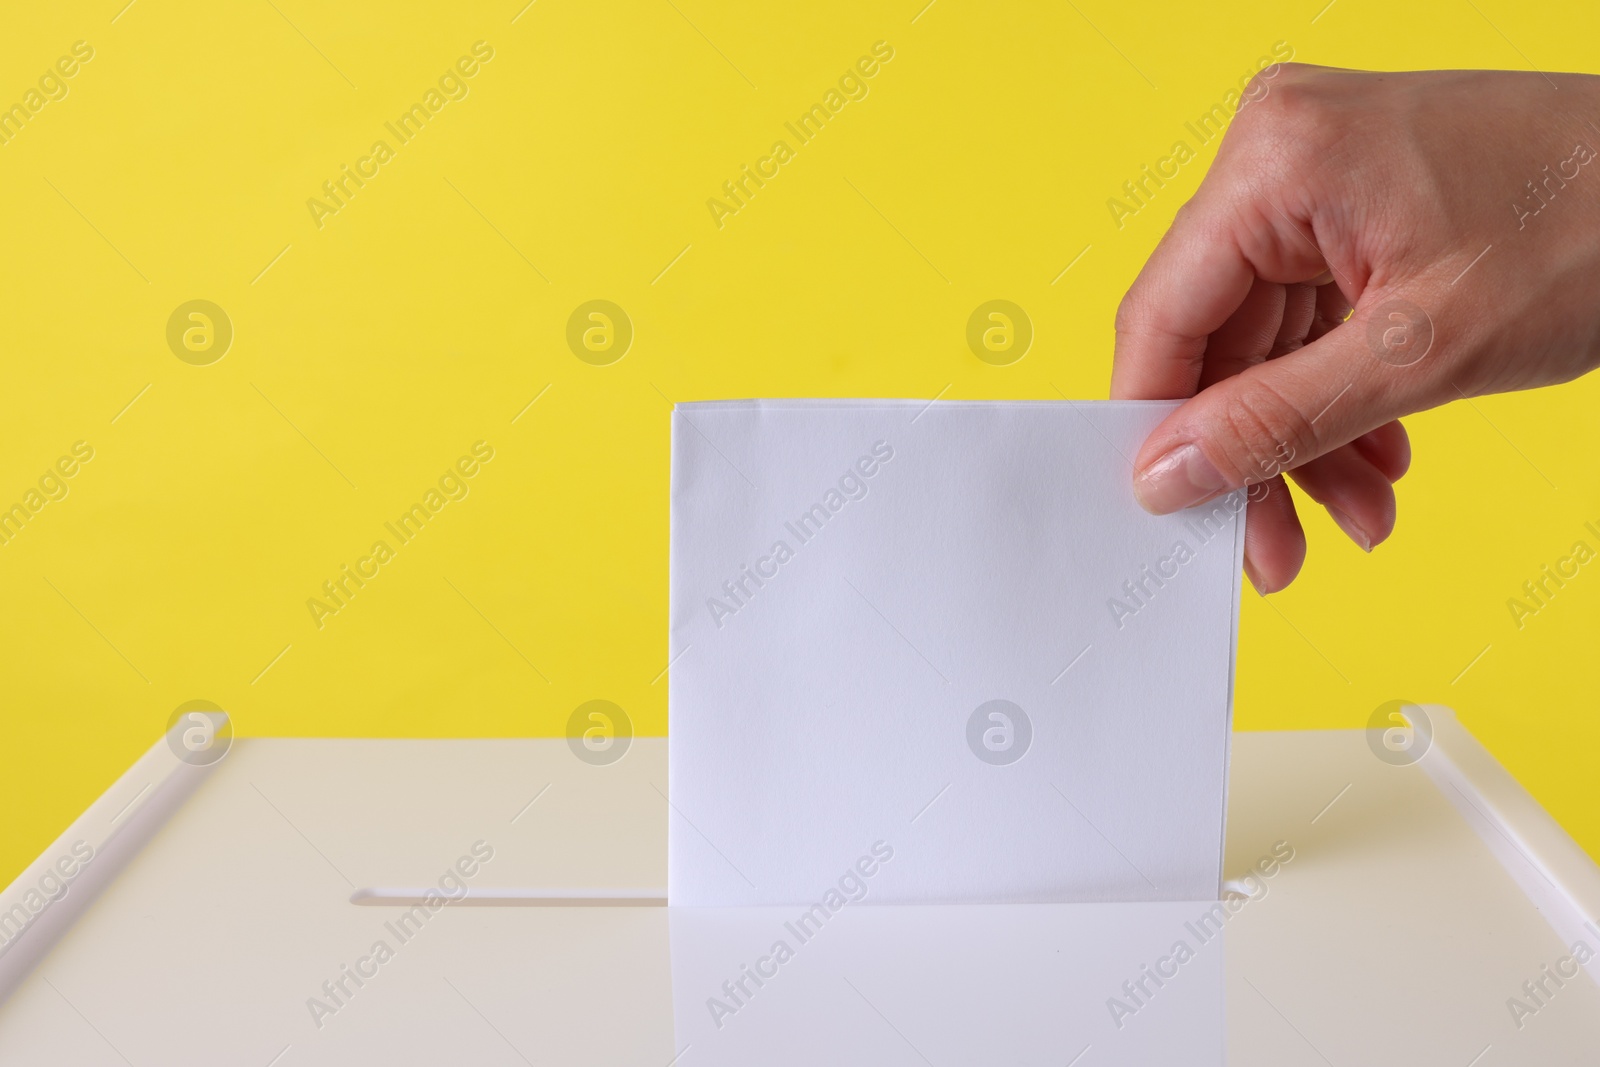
(1289, 94)
(1127, 313)
(1259, 87)
(1297, 72)
(1264, 434)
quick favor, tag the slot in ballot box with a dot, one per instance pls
(309, 902)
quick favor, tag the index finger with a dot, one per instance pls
(1195, 279)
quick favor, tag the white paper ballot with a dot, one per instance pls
(936, 653)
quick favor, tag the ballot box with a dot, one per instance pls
(299, 901)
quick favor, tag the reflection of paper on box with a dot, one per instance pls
(951, 629)
(1020, 984)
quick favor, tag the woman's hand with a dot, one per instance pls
(1457, 213)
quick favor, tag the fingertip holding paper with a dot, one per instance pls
(949, 634)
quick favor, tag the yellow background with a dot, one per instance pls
(375, 350)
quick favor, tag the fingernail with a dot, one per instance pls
(1255, 582)
(1348, 525)
(1182, 477)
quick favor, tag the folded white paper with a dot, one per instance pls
(947, 633)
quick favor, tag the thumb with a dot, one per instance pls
(1277, 415)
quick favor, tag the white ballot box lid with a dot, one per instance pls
(499, 901)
